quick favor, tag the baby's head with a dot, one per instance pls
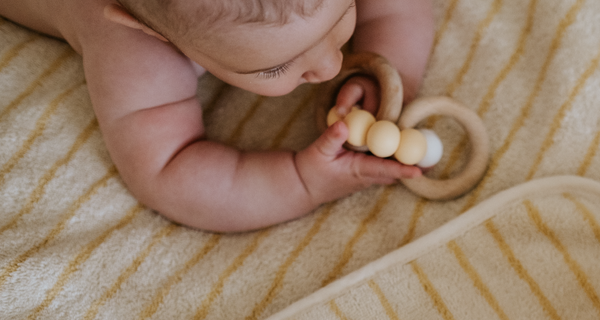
(265, 46)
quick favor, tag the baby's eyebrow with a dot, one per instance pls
(352, 4)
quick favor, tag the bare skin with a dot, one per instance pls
(143, 91)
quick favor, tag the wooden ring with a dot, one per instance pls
(390, 108)
(433, 189)
(369, 64)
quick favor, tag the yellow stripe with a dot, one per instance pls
(40, 126)
(15, 264)
(38, 192)
(278, 282)
(38, 82)
(288, 125)
(237, 133)
(444, 26)
(485, 104)
(587, 215)
(414, 220)
(589, 156)
(163, 233)
(456, 154)
(362, 229)
(211, 105)
(556, 123)
(521, 271)
(582, 278)
(476, 278)
(14, 51)
(520, 121)
(217, 288)
(176, 277)
(438, 302)
(496, 7)
(336, 310)
(436, 40)
(283, 269)
(512, 61)
(83, 255)
(389, 310)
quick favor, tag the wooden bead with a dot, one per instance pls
(383, 138)
(412, 148)
(332, 117)
(358, 122)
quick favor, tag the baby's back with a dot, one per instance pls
(34, 14)
(57, 18)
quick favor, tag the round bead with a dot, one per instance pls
(435, 149)
(383, 138)
(358, 121)
(412, 148)
(332, 117)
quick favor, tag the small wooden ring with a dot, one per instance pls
(451, 188)
(369, 64)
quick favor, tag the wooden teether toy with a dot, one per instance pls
(391, 132)
(384, 139)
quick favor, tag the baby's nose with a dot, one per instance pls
(325, 68)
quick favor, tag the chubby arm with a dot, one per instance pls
(144, 95)
(207, 185)
(400, 30)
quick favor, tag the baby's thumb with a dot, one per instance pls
(331, 141)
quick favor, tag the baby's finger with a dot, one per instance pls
(371, 94)
(384, 171)
(331, 142)
(357, 90)
(349, 95)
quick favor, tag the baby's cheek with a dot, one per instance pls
(274, 87)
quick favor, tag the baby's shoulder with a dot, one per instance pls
(127, 68)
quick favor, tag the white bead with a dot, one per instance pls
(435, 149)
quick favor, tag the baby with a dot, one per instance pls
(142, 60)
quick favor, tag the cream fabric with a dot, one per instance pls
(530, 252)
(74, 244)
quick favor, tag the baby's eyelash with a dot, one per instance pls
(275, 72)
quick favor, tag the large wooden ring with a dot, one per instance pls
(423, 108)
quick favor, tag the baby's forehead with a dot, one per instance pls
(259, 47)
(267, 12)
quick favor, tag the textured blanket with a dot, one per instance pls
(523, 244)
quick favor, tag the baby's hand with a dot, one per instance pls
(358, 90)
(329, 171)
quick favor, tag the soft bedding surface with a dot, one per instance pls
(523, 244)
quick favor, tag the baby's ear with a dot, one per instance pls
(117, 14)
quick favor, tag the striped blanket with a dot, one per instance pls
(523, 244)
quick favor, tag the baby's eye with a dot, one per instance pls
(275, 72)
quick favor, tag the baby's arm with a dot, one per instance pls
(400, 30)
(208, 185)
(144, 95)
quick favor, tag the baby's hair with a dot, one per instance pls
(177, 17)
